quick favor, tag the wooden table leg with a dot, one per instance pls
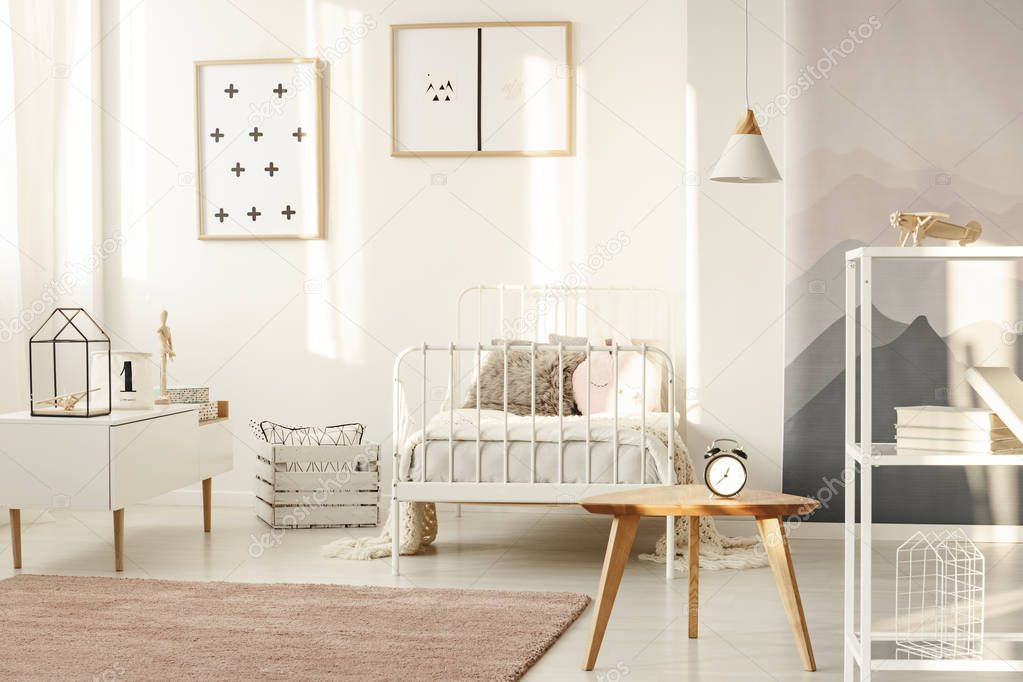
(207, 504)
(15, 515)
(694, 576)
(119, 539)
(623, 532)
(773, 534)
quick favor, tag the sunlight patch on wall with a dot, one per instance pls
(544, 219)
(10, 295)
(134, 153)
(983, 314)
(580, 166)
(321, 320)
(544, 200)
(692, 314)
(981, 309)
(981, 305)
(78, 176)
(336, 36)
(537, 127)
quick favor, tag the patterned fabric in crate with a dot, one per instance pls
(279, 434)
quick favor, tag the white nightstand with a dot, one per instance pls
(107, 462)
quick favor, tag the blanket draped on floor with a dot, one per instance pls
(419, 528)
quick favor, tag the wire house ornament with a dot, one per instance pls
(69, 366)
(939, 597)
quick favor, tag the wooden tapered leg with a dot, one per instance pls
(623, 532)
(694, 576)
(119, 539)
(772, 532)
(207, 504)
(16, 536)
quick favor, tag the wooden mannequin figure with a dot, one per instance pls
(166, 352)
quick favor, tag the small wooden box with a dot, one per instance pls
(318, 486)
(188, 394)
(212, 412)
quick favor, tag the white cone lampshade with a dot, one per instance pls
(746, 157)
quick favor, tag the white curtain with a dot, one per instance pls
(50, 229)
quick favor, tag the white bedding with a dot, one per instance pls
(435, 450)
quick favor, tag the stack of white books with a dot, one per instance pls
(932, 429)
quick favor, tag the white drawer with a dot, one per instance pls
(150, 457)
(54, 465)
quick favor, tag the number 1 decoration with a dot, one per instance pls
(133, 384)
(126, 372)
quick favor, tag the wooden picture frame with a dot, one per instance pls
(308, 161)
(464, 42)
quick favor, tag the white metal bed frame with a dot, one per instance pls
(507, 492)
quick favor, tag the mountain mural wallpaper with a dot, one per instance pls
(909, 105)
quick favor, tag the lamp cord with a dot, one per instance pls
(746, 14)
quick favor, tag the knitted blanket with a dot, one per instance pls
(419, 524)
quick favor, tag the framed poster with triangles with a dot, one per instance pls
(488, 88)
(259, 149)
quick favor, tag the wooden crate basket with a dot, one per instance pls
(318, 486)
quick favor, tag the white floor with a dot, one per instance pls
(743, 631)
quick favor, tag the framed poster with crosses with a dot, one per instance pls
(259, 149)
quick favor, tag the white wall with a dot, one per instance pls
(307, 332)
(736, 273)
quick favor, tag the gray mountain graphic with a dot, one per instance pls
(816, 299)
(824, 359)
(911, 370)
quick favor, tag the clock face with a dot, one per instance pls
(725, 475)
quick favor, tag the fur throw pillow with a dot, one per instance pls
(491, 381)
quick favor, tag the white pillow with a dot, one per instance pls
(630, 384)
(661, 363)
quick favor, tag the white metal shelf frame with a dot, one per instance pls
(870, 456)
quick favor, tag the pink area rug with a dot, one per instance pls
(57, 627)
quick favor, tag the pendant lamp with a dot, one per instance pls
(746, 157)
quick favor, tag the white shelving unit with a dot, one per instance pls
(873, 458)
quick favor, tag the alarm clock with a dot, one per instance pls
(725, 473)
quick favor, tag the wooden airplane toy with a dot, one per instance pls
(932, 224)
(66, 401)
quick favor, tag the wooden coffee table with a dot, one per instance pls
(694, 501)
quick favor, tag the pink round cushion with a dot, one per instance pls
(601, 392)
(630, 390)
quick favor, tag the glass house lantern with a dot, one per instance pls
(69, 366)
